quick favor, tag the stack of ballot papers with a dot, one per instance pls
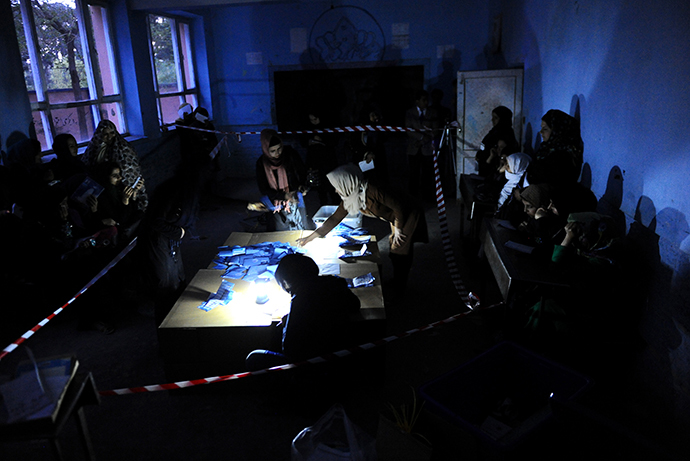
(252, 262)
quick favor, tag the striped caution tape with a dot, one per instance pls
(43, 322)
(345, 129)
(216, 149)
(289, 366)
(470, 299)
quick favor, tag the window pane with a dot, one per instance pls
(168, 108)
(163, 54)
(113, 112)
(38, 118)
(23, 49)
(186, 55)
(77, 121)
(61, 50)
(105, 59)
(191, 99)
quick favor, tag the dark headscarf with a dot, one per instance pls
(559, 158)
(502, 131)
(22, 154)
(565, 135)
(505, 116)
(60, 147)
(65, 165)
(597, 232)
(119, 151)
(538, 195)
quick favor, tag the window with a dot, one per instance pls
(69, 67)
(173, 67)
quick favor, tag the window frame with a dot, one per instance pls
(96, 98)
(182, 85)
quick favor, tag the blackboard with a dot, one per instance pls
(343, 97)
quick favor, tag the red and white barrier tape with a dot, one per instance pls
(216, 149)
(43, 322)
(345, 129)
(312, 361)
(460, 287)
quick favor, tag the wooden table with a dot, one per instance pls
(513, 269)
(222, 338)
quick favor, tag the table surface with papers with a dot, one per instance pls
(243, 310)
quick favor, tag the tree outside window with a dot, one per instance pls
(69, 67)
(173, 67)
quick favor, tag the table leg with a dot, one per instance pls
(81, 421)
(56, 448)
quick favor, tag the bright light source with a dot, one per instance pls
(260, 287)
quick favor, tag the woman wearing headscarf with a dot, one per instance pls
(541, 226)
(67, 162)
(281, 176)
(559, 158)
(107, 145)
(406, 218)
(27, 174)
(116, 204)
(514, 169)
(488, 157)
(589, 258)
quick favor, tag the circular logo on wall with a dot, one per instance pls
(346, 34)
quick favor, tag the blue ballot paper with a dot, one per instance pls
(362, 251)
(250, 262)
(220, 298)
(366, 280)
(352, 241)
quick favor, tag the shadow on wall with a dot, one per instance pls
(447, 73)
(658, 240)
(610, 203)
(586, 176)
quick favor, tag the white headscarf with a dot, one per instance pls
(351, 187)
(518, 164)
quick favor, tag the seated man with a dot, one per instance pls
(319, 318)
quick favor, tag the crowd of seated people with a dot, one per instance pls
(552, 212)
(63, 220)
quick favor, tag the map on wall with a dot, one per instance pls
(346, 34)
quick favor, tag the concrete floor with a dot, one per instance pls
(257, 418)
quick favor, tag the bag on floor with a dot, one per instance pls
(333, 438)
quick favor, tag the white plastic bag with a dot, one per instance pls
(333, 438)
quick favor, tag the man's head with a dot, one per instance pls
(294, 271)
(421, 99)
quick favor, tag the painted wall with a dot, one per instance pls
(246, 42)
(14, 100)
(623, 67)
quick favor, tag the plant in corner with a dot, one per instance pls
(397, 438)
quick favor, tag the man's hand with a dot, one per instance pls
(398, 237)
(541, 212)
(571, 233)
(92, 203)
(304, 240)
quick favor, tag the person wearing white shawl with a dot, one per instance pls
(405, 216)
(514, 169)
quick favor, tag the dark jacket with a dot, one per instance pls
(319, 318)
